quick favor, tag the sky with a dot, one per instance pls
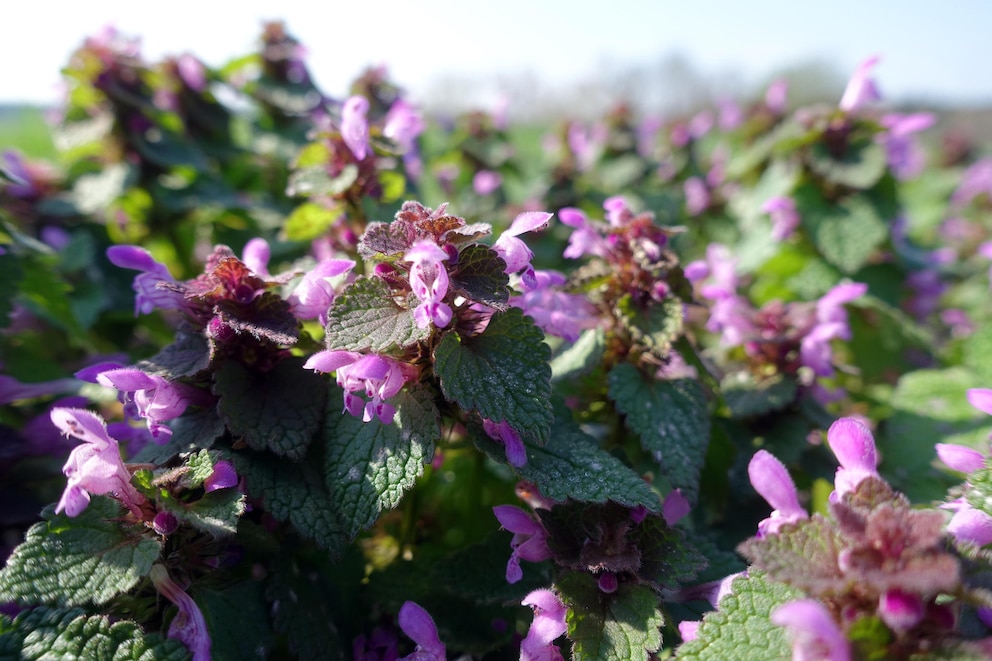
(935, 52)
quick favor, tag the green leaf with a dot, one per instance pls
(310, 220)
(302, 611)
(929, 406)
(364, 317)
(861, 165)
(190, 432)
(44, 292)
(656, 326)
(847, 232)
(237, 620)
(46, 633)
(11, 274)
(622, 626)
(317, 181)
(371, 465)
(188, 354)
(479, 276)
(671, 418)
(217, 513)
(294, 492)
(393, 185)
(572, 466)
(472, 572)
(279, 410)
(583, 356)
(73, 561)
(746, 398)
(502, 373)
(742, 629)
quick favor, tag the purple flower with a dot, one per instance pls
(256, 256)
(148, 285)
(971, 525)
(516, 453)
(697, 197)
(429, 281)
(403, 124)
(701, 123)
(785, 218)
(12, 390)
(312, 298)
(815, 351)
(675, 507)
(776, 96)
(381, 377)
(188, 626)
(976, 181)
(647, 137)
(95, 467)
(689, 630)
(906, 158)
(815, 635)
(486, 181)
(731, 115)
(853, 445)
(530, 540)
(514, 251)
(901, 611)
(223, 477)
(861, 89)
(556, 312)
(354, 126)
(960, 457)
(770, 478)
(587, 237)
(548, 625)
(192, 72)
(151, 397)
(419, 626)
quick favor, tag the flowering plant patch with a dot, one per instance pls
(300, 376)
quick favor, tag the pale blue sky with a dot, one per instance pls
(937, 51)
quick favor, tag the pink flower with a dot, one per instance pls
(516, 453)
(403, 124)
(675, 507)
(906, 158)
(312, 298)
(354, 126)
(815, 635)
(960, 457)
(514, 251)
(861, 89)
(188, 626)
(151, 397)
(95, 467)
(530, 540)
(785, 218)
(419, 626)
(256, 256)
(587, 237)
(697, 197)
(429, 281)
(381, 377)
(776, 96)
(486, 181)
(556, 312)
(548, 625)
(770, 478)
(854, 447)
(901, 611)
(222, 477)
(971, 525)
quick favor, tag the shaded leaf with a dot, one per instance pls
(621, 626)
(671, 418)
(479, 276)
(279, 410)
